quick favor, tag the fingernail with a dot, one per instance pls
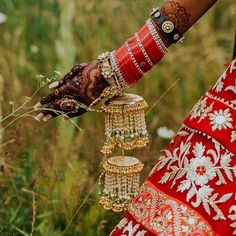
(66, 117)
(53, 85)
(37, 105)
(47, 117)
(39, 117)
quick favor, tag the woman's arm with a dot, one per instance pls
(86, 82)
(185, 13)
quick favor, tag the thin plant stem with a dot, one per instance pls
(15, 188)
(80, 206)
(33, 214)
(20, 107)
(35, 194)
(28, 113)
(161, 97)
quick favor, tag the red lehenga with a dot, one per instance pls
(192, 189)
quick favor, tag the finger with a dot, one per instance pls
(37, 105)
(53, 85)
(80, 112)
(71, 106)
(55, 95)
(66, 117)
(47, 117)
(75, 71)
(71, 110)
(39, 117)
(50, 97)
(51, 111)
(66, 106)
(68, 88)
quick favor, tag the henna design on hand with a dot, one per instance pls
(63, 106)
(75, 71)
(84, 83)
(177, 14)
(95, 83)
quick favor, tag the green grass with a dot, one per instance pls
(48, 174)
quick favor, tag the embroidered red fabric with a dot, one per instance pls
(192, 188)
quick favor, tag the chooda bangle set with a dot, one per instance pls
(126, 65)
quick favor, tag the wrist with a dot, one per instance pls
(142, 51)
(165, 41)
(166, 27)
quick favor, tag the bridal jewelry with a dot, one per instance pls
(121, 184)
(125, 124)
(125, 128)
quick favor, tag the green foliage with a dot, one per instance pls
(49, 173)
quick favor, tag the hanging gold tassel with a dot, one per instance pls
(125, 127)
(125, 124)
(121, 184)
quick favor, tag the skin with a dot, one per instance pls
(85, 83)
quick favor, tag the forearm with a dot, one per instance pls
(185, 13)
(149, 44)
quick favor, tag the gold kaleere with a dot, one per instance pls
(125, 127)
(121, 184)
(125, 124)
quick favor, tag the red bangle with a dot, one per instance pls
(150, 45)
(138, 55)
(126, 65)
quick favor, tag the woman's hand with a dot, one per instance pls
(84, 83)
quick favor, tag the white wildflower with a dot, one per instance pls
(166, 133)
(3, 18)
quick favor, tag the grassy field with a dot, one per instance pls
(49, 171)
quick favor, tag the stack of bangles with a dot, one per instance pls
(125, 66)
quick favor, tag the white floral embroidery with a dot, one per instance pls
(141, 233)
(201, 170)
(201, 110)
(122, 223)
(232, 216)
(184, 228)
(231, 88)
(132, 230)
(232, 66)
(198, 171)
(221, 119)
(220, 84)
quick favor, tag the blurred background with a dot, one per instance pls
(49, 171)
